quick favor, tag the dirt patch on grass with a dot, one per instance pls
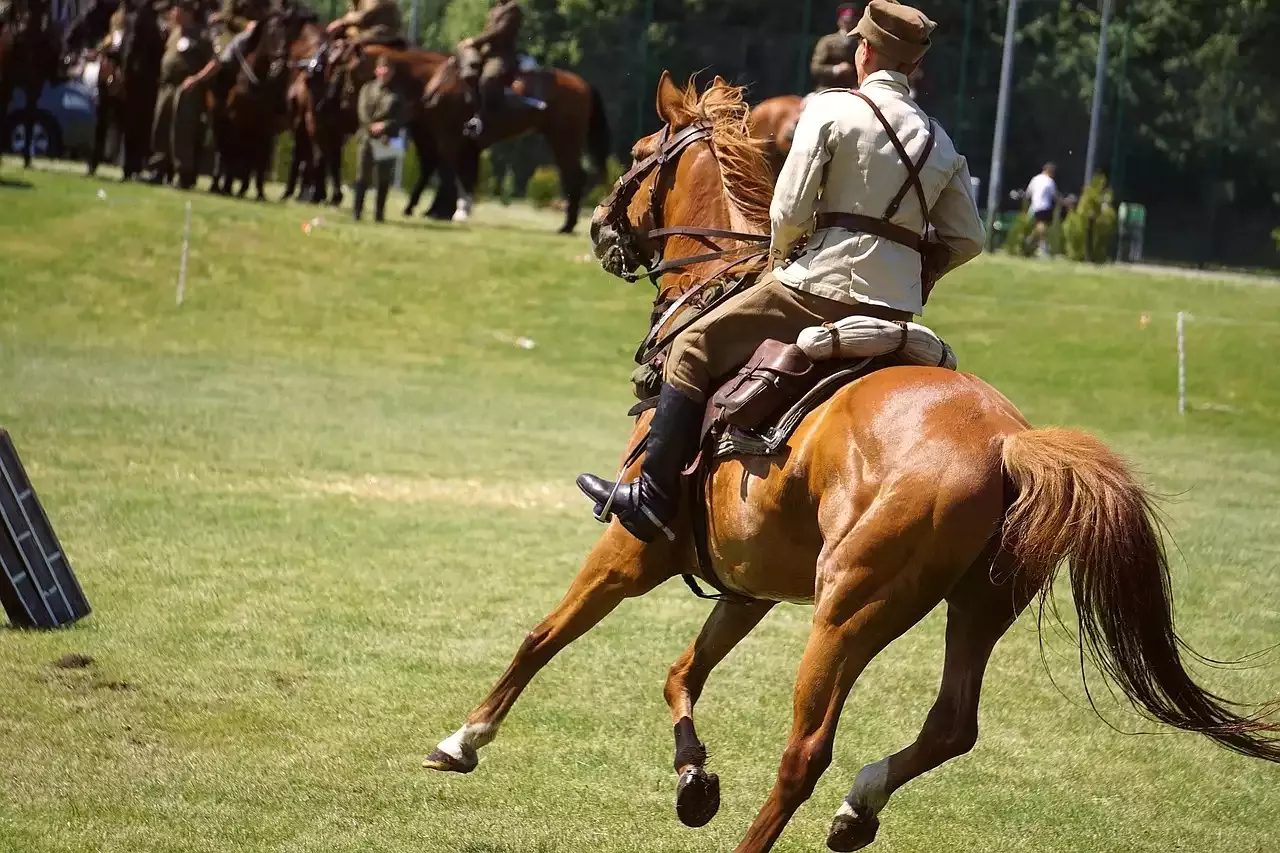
(73, 661)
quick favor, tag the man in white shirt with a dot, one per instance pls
(866, 178)
(1042, 193)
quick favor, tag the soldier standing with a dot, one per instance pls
(832, 66)
(175, 132)
(489, 61)
(383, 112)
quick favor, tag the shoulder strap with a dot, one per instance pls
(913, 167)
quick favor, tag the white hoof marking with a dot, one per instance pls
(473, 736)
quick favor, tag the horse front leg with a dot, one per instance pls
(334, 156)
(29, 122)
(698, 792)
(619, 567)
(101, 124)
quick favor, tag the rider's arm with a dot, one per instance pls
(204, 74)
(792, 210)
(955, 217)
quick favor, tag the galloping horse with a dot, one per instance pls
(573, 122)
(128, 82)
(29, 58)
(910, 487)
(245, 134)
(773, 121)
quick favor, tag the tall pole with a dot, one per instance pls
(414, 30)
(1002, 118)
(1117, 152)
(1099, 84)
(958, 131)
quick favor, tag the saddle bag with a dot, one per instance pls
(777, 374)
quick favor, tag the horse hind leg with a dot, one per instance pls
(617, 568)
(697, 791)
(573, 181)
(979, 613)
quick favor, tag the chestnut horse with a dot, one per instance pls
(773, 121)
(910, 487)
(574, 122)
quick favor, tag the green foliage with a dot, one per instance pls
(1275, 236)
(1090, 230)
(543, 188)
(1016, 241)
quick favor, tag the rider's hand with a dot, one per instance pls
(188, 83)
(842, 69)
(466, 43)
(334, 27)
(377, 128)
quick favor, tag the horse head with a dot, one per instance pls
(702, 170)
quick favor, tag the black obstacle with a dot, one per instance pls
(37, 587)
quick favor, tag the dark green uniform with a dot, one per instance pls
(175, 133)
(492, 55)
(830, 52)
(378, 103)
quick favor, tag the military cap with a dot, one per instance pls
(898, 32)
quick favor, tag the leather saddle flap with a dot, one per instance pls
(776, 375)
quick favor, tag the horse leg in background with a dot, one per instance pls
(295, 166)
(979, 612)
(573, 179)
(468, 176)
(101, 124)
(698, 792)
(619, 567)
(334, 156)
(262, 165)
(425, 146)
(445, 203)
(32, 90)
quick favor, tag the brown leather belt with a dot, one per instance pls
(858, 223)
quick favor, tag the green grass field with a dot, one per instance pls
(318, 506)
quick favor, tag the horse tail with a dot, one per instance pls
(1078, 502)
(598, 141)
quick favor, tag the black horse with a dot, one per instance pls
(128, 82)
(29, 59)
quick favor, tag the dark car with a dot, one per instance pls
(63, 125)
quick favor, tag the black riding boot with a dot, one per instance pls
(357, 207)
(380, 203)
(647, 506)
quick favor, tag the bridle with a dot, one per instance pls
(616, 204)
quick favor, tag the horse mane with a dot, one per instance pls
(744, 166)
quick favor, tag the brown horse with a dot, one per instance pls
(573, 122)
(773, 121)
(245, 130)
(128, 82)
(910, 487)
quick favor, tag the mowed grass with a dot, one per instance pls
(317, 507)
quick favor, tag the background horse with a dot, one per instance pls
(908, 488)
(573, 123)
(245, 131)
(773, 121)
(128, 83)
(29, 58)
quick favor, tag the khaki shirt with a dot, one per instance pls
(185, 53)
(501, 30)
(843, 162)
(381, 103)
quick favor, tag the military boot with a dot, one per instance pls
(647, 507)
(357, 207)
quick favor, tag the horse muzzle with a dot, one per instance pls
(618, 251)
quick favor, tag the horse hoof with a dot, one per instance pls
(408, 211)
(446, 763)
(852, 832)
(461, 216)
(697, 797)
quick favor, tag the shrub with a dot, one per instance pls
(1090, 230)
(543, 188)
(1016, 241)
(1275, 235)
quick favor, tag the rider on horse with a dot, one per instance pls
(368, 22)
(869, 252)
(488, 62)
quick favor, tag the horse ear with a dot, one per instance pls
(669, 99)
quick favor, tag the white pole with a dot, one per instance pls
(1099, 85)
(1182, 363)
(186, 247)
(1002, 119)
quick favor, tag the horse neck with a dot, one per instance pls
(698, 199)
